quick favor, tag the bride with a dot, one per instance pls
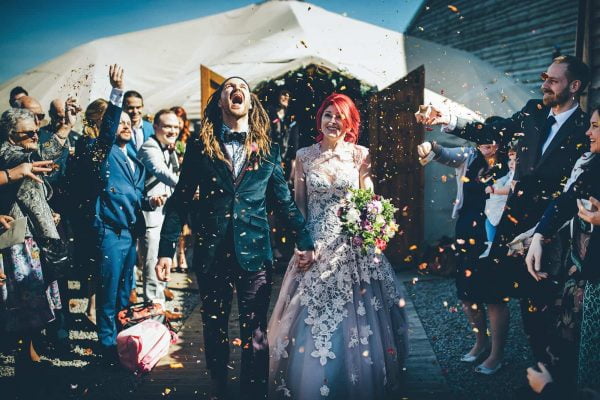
(339, 329)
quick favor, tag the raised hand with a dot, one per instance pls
(534, 258)
(116, 74)
(71, 111)
(429, 115)
(163, 269)
(591, 217)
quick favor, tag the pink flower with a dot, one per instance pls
(254, 147)
(381, 244)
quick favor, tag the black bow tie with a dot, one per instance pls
(239, 137)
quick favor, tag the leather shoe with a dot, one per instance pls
(173, 316)
(481, 369)
(168, 294)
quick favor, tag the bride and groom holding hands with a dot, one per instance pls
(338, 328)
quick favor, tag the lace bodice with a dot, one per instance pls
(326, 288)
(328, 176)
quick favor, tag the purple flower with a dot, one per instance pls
(357, 241)
(366, 225)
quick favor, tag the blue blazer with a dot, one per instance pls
(114, 191)
(148, 131)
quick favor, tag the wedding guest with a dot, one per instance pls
(31, 295)
(583, 183)
(15, 94)
(35, 107)
(160, 160)
(84, 258)
(133, 105)
(498, 192)
(180, 261)
(115, 188)
(551, 133)
(473, 166)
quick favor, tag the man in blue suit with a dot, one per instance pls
(133, 104)
(116, 185)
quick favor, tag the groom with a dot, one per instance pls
(238, 172)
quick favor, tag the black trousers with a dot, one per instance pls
(253, 291)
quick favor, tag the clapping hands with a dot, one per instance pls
(305, 259)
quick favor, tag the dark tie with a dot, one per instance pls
(239, 137)
(545, 131)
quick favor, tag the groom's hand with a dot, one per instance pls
(305, 259)
(163, 269)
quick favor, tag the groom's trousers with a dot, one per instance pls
(253, 294)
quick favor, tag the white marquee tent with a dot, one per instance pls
(262, 42)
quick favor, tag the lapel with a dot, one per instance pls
(565, 130)
(224, 169)
(123, 162)
(240, 177)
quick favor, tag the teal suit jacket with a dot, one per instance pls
(224, 201)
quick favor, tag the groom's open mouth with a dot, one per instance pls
(237, 97)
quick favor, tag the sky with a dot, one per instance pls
(43, 29)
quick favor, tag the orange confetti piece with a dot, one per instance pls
(453, 8)
(176, 365)
(236, 342)
(468, 273)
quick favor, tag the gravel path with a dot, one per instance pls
(449, 332)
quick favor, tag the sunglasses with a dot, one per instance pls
(29, 134)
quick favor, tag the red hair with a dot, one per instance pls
(185, 132)
(348, 111)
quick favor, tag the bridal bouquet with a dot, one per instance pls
(368, 220)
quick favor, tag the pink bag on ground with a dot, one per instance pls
(141, 346)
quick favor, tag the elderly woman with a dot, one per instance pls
(29, 299)
(582, 188)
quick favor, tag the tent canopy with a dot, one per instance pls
(262, 42)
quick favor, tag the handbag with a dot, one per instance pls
(54, 258)
(139, 312)
(141, 346)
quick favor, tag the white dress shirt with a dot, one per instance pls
(560, 120)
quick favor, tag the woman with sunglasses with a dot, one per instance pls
(28, 299)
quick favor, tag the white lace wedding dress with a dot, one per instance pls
(338, 330)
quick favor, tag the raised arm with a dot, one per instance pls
(502, 131)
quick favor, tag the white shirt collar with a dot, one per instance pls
(563, 116)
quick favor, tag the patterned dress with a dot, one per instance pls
(338, 330)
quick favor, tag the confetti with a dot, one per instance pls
(176, 365)
(453, 8)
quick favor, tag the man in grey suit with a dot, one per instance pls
(161, 164)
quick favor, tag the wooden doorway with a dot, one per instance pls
(393, 137)
(209, 83)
